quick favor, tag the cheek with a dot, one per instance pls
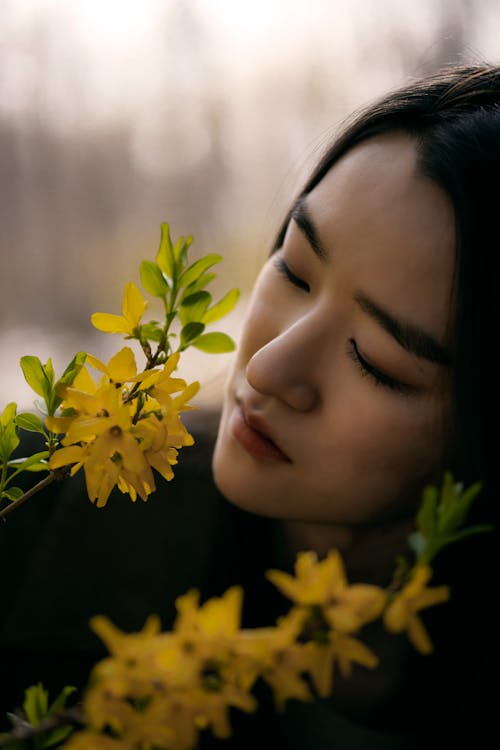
(222, 460)
(375, 454)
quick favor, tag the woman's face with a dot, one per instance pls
(337, 407)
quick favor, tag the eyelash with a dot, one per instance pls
(367, 370)
(285, 271)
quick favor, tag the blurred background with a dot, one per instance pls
(116, 115)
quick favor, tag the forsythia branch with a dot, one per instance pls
(45, 482)
(23, 731)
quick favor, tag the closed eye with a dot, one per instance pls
(376, 375)
(283, 268)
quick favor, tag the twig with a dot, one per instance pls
(52, 477)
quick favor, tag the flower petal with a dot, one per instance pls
(66, 456)
(133, 305)
(109, 323)
(122, 366)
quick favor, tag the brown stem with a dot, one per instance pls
(52, 477)
(147, 351)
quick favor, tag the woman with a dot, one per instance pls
(363, 373)
(362, 370)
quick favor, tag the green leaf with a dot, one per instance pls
(151, 331)
(426, 516)
(9, 439)
(13, 493)
(66, 379)
(152, 279)
(441, 515)
(72, 369)
(48, 369)
(469, 531)
(56, 736)
(190, 332)
(35, 703)
(36, 462)
(200, 283)
(214, 343)
(222, 307)
(69, 411)
(196, 269)
(193, 307)
(30, 422)
(36, 709)
(8, 444)
(8, 415)
(35, 376)
(457, 508)
(60, 702)
(37, 466)
(165, 255)
(181, 249)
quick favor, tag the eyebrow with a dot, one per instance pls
(300, 214)
(411, 337)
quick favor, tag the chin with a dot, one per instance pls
(244, 495)
(231, 487)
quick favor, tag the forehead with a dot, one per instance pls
(389, 229)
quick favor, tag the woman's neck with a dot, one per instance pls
(368, 552)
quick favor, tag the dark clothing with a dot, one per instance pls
(64, 560)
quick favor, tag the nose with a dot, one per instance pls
(286, 368)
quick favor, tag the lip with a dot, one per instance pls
(252, 434)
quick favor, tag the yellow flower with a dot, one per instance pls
(118, 434)
(401, 613)
(320, 659)
(88, 740)
(218, 618)
(128, 683)
(163, 386)
(160, 689)
(121, 368)
(277, 656)
(324, 584)
(123, 644)
(158, 445)
(208, 635)
(133, 308)
(330, 610)
(102, 442)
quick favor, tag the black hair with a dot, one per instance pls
(454, 117)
